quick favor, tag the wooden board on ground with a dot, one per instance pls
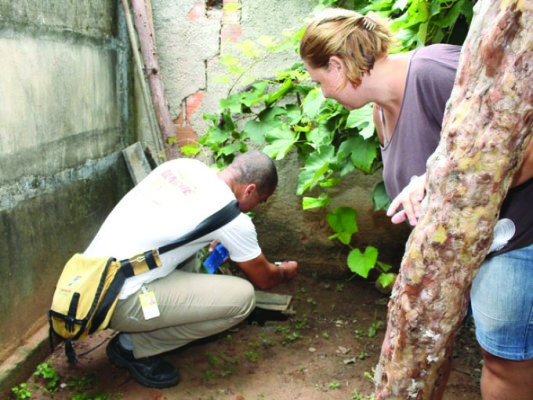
(272, 301)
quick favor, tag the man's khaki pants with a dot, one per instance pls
(191, 306)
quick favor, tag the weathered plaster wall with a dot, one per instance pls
(65, 112)
(191, 40)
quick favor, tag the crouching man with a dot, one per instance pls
(168, 203)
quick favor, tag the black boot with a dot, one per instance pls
(148, 371)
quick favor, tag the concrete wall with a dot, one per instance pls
(65, 112)
(191, 40)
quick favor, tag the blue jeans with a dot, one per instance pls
(502, 304)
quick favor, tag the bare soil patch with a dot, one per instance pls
(326, 350)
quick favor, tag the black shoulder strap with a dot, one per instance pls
(210, 224)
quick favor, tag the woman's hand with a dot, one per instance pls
(409, 200)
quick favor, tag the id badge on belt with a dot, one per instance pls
(149, 304)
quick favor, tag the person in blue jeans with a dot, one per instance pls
(348, 55)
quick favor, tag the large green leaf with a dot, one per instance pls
(215, 135)
(271, 113)
(257, 131)
(280, 142)
(362, 263)
(362, 152)
(451, 16)
(380, 198)
(254, 96)
(232, 103)
(315, 202)
(316, 166)
(363, 120)
(343, 221)
(294, 114)
(312, 103)
(320, 135)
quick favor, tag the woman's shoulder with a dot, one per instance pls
(447, 53)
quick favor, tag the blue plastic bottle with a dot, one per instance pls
(217, 256)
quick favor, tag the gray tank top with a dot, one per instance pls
(430, 80)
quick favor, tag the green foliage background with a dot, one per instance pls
(289, 113)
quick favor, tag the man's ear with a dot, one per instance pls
(250, 189)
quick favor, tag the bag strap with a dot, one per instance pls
(210, 224)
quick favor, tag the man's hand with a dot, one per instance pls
(265, 275)
(409, 200)
(288, 270)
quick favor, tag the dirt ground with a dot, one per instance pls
(326, 350)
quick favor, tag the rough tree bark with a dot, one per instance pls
(155, 80)
(487, 126)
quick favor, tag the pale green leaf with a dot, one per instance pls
(315, 202)
(362, 263)
(189, 150)
(228, 60)
(230, 8)
(343, 222)
(386, 279)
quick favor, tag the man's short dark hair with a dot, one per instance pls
(258, 168)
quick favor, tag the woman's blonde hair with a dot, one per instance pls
(357, 40)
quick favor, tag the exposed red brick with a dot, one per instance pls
(231, 33)
(186, 135)
(197, 12)
(193, 102)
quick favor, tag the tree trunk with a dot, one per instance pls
(155, 81)
(487, 126)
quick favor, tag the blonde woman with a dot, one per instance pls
(348, 54)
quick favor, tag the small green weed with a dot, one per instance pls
(83, 383)
(359, 333)
(226, 374)
(21, 391)
(340, 287)
(374, 328)
(301, 323)
(334, 385)
(251, 355)
(49, 374)
(209, 376)
(370, 376)
(211, 358)
(325, 335)
(282, 329)
(357, 396)
(292, 337)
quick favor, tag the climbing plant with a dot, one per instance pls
(288, 112)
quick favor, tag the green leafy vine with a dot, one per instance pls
(289, 113)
